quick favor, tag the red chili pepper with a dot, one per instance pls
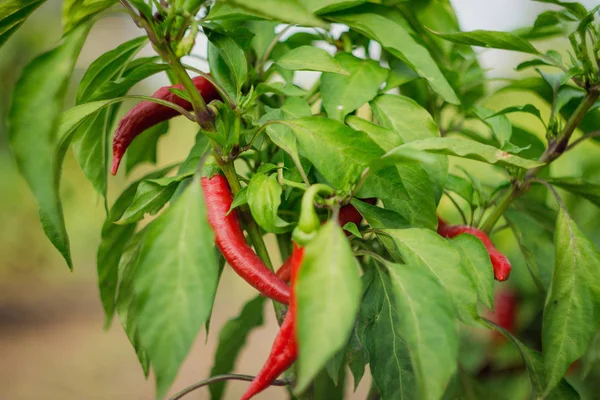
(232, 243)
(147, 114)
(285, 347)
(285, 271)
(499, 261)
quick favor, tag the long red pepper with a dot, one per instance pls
(146, 114)
(348, 213)
(232, 243)
(499, 261)
(285, 347)
(505, 315)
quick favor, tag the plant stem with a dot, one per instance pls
(253, 230)
(555, 149)
(221, 378)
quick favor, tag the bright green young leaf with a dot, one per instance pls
(176, 279)
(577, 9)
(290, 11)
(240, 199)
(572, 309)
(150, 197)
(411, 122)
(411, 334)
(113, 242)
(233, 56)
(490, 40)
(428, 250)
(384, 137)
(76, 12)
(379, 217)
(264, 198)
(476, 260)
(469, 149)
(343, 94)
(460, 186)
(308, 58)
(107, 67)
(579, 187)
(326, 6)
(497, 122)
(399, 74)
(281, 88)
(143, 148)
(338, 152)
(264, 33)
(12, 15)
(232, 340)
(33, 123)
(397, 40)
(328, 296)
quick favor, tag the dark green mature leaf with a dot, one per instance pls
(113, 242)
(290, 11)
(106, 68)
(150, 197)
(309, 58)
(410, 333)
(476, 260)
(328, 296)
(572, 309)
(264, 198)
(579, 187)
(176, 279)
(220, 71)
(232, 340)
(397, 40)
(233, 56)
(337, 151)
(343, 94)
(357, 357)
(12, 15)
(33, 123)
(468, 149)
(535, 370)
(143, 148)
(76, 12)
(428, 250)
(412, 122)
(490, 40)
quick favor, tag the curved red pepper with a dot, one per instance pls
(285, 347)
(232, 243)
(499, 261)
(146, 114)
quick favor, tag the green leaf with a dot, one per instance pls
(232, 340)
(399, 74)
(200, 148)
(308, 58)
(476, 260)
(106, 68)
(577, 9)
(283, 89)
(76, 12)
(490, 40)
(498, 123)
(233, 56)
(175, 284)
(150, 197)
(240, 199)
(468, 149)
(572, 309)
(379, 217)
(33, 123)
(143, 148)
(220, 71)
(328, 295)
(429, 251)
(114, 239)
(264, 199)
(460, 186)
(386, 138)
(338, 152)
(326, 6)
(579, 187)
(412, 122)
(397, 40)
(290, 11)
(535, 370)
(12, 15)
(342, 94)
(411, 333)
(136, 71)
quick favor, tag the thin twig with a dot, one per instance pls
(265, 57)
(584, 137)
(221, 378)
(462, 214)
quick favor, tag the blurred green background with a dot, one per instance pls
(52, 342)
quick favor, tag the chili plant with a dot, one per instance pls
(350, 173)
